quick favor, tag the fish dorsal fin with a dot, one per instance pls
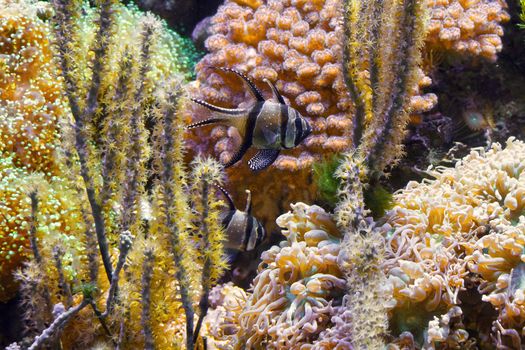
(275, 92)
(255, 91)
(263, 159)
(229, 111)
(248, 209)
(229, 199)
(205, 122)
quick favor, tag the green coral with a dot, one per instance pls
(327, 182)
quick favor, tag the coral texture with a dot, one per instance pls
(222, 321)
(297, 45)
(58, 219)
(467, 27)
(449, 241)
(467, 222)
(31, 101)
(33, 108)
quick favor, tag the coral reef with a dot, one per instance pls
(111, 86)
(467, 27)
(296, 45)
(33, 109)
(113, 235)
(447, 240)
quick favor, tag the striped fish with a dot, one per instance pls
(244, 232)
(268, 125)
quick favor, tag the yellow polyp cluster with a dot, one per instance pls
(31, 100)
(465, 227)
(291, 302)
(58, 221)
(209, 233)
(467, 27)
(167, 314)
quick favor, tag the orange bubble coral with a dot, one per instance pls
(467, 27)
(222, 321)
(30, 92)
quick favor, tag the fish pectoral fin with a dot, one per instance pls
(239, 154)
(263, 159)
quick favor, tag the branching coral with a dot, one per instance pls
(467, 27)
(111, 88)
(377, 35)
(32, 106)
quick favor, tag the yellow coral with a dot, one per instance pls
(57, 222)
(31, 101)
(467, 27)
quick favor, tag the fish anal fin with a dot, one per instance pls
(263, 159)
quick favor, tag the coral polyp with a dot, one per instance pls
(31, 101)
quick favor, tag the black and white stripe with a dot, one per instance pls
(243, 230)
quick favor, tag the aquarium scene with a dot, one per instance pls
(262, 174)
